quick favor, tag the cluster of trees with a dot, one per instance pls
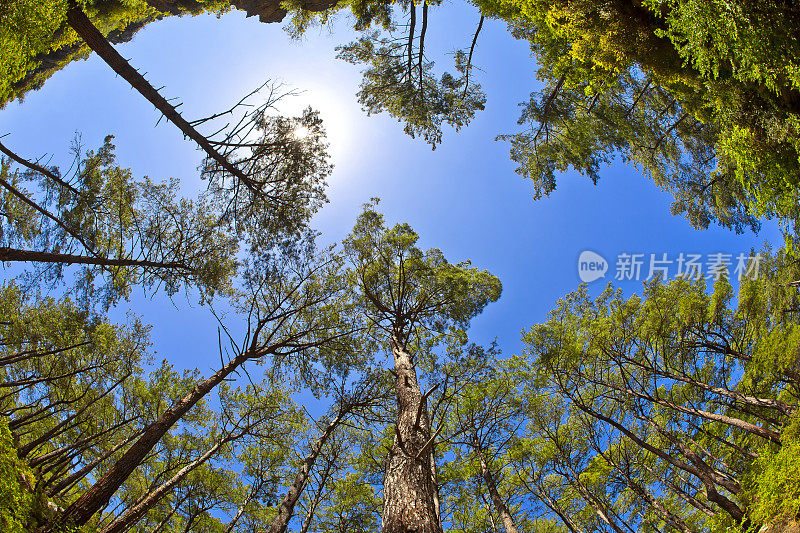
(105, 445)
(702, 96)
(676, 410)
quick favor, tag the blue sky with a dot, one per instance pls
(463, 198)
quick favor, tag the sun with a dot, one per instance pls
(338, 115)
(301, 132)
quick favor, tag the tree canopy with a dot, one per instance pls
(673, 410)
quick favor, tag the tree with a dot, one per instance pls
(692, 100)
(139, 232)
(130, 232)
(411, 299)
(263, 191)
(697, 104)
(260, 415)
(676, 393)
(93, 429)
(399, 79)
(83, 418)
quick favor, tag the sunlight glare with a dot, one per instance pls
(300, 132)
(338, 113)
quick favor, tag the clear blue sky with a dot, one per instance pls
(463, 198)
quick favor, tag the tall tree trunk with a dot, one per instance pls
(499, 504)
(99, 44)
(409, 493)
(33, 256)
(286, 509)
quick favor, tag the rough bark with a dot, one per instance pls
(409, 491)
(499, 505)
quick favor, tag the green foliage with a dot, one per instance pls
(775, 490)
(398, 77)
(353, 506)
(409, 287)
(137, 231)
(408, 91)
(35, 40)
(702, 96)
(631, 397)
(16, 481)
(93, 396)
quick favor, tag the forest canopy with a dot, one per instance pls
(347, 390)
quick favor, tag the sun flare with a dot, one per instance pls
(301, 132)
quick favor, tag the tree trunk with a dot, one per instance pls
(32, 256)
(499, 504)
(97, 497)
(286, 509)
(409, 493)
(145, 503)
